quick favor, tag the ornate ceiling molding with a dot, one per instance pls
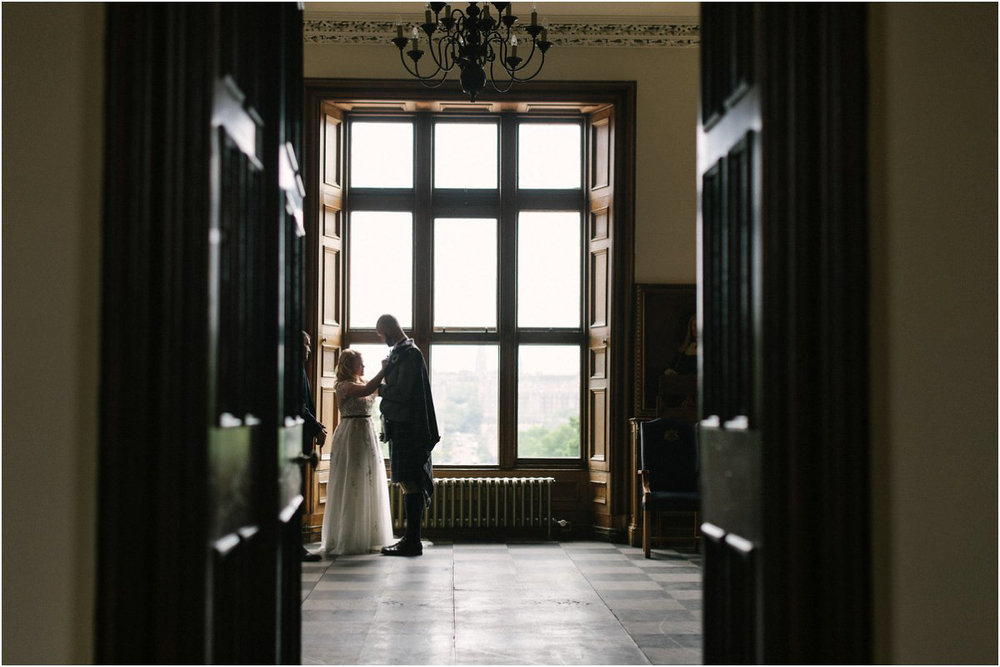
(590, 32)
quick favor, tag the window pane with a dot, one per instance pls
(465, 155)
(548, 269)
(381, 155)
(548, 155)
(464, 384)
(548, 401)
(381, 267)
(372, 356)
(465, 272)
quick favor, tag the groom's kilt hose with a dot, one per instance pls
(409, 454)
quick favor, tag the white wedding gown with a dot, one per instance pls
(356, 519)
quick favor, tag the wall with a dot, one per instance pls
(666, 198)
(934, 330)
(53, 71)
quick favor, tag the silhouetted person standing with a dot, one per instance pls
(410, 427)
(312, 429)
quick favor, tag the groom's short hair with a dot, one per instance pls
(388, 321)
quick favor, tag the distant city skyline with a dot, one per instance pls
(464, 382)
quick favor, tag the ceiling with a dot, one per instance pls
(618, 12)
(572, 24)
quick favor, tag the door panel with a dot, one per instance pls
(201, 290)
(237, 302)
(729, 285)
(783, 314)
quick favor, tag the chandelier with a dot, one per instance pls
(474, 41)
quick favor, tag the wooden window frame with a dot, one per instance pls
(504, 203)
(595, 490)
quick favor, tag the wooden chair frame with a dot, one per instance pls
(648, 518)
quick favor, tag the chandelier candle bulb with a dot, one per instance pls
(534, 18)
(427, 14)
(399, 29)
(513, 46)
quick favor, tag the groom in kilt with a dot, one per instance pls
(409, 425)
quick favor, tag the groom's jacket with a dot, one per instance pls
(406, 392)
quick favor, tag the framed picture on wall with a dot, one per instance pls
(665, 373)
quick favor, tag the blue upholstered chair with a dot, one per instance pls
(668, 451)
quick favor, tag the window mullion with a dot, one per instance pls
(508, 288)
(422, 233)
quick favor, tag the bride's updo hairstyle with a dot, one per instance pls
(346, 364)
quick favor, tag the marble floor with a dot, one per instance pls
(493, 604)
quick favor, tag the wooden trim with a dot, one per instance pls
(622, 315)
(586, 95)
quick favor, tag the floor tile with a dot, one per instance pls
(673, 656)
(518, 603)
(671, 577)
(316, 603)
(691, 594)
(647, 604)
(647, 585)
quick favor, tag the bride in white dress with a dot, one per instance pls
(356, 519)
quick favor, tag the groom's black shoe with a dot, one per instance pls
(308, 557)
(405, 547)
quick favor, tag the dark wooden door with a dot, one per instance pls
(200, 535)
(255, 336)
(729, 291)
(783, 315)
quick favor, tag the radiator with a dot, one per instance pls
(486, 503)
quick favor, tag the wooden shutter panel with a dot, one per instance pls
(599, 268)
(326, 349)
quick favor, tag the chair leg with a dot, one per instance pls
(646, 519)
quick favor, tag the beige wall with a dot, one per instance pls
(53, 73)
(667, 101)
(934, 330)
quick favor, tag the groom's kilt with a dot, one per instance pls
(409, 455)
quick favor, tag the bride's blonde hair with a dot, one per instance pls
(346, 364)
